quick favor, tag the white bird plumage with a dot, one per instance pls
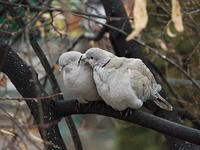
(123, 83)
(78, 78)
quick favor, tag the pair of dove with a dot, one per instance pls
(121, 82)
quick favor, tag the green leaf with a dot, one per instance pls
(1, 7)
(32, 1)
(13, 25)
(1, 19)
(20, 12)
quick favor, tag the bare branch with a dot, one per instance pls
(187, 115)
(36, 99)
(19, 126)
(65, 108)
(56, 88)
(154, 50)
(27, 84)
(133, 49)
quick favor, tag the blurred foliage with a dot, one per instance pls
(184, 49)
(47, 23)
(139, 138)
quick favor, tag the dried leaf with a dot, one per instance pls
(56, 68)
(162, 44)
(74, 28)
(6, 133)
(177, 16)
(3, 80)
(59, 22)
(35, 138)
(76, 33)
(22, 146)
(169, 32)
(73, 22)
(140, 17)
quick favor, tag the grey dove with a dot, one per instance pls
(123, 83)
(78, 78)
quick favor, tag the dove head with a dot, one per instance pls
(97, 57)
(69, 58)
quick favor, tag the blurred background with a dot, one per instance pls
(65, 25)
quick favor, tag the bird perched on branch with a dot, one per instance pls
(78, 78)
(123, 83)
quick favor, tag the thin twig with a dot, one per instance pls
(31, 7)
(172, 63)
(45, 8)
(151, 49)
(73, 44)
(187, 115)
(193, 52)
(19, 126)
(32, 89)
(34, 99)
(107, 25)
(78, 13)
(55, 28)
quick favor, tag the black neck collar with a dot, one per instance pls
(106, 63)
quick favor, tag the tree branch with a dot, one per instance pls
(53, 80)
(186, 115)
(138, 117)
(56, 89)
(27, 84)
(23, 78)
(133, 49)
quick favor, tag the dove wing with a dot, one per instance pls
(140, 84)
(137, 64)
(145, 84)
(115, 63)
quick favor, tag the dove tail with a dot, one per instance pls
(162, 103)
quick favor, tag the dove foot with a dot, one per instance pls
(90, 105)
(121, 114)
(78, 105)
(128, 111)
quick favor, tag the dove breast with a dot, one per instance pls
(78, 77)
(115, 85)
(112, 79)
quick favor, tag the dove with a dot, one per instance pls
(123, 82)
(78, 78)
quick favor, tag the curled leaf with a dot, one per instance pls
(140, 17)
(169, 32)
(162, 44)
(177, 16)
(37, 139)
(6, 133)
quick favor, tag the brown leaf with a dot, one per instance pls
(140, 17)
(177, 16)
(162, 44)
(3, 80)
(6, 133)
(22, 146)
(169, 31)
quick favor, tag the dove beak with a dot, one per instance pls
(61, 68)
(79, 61)
(82, 58)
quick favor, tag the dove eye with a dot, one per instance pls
(91, 57)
